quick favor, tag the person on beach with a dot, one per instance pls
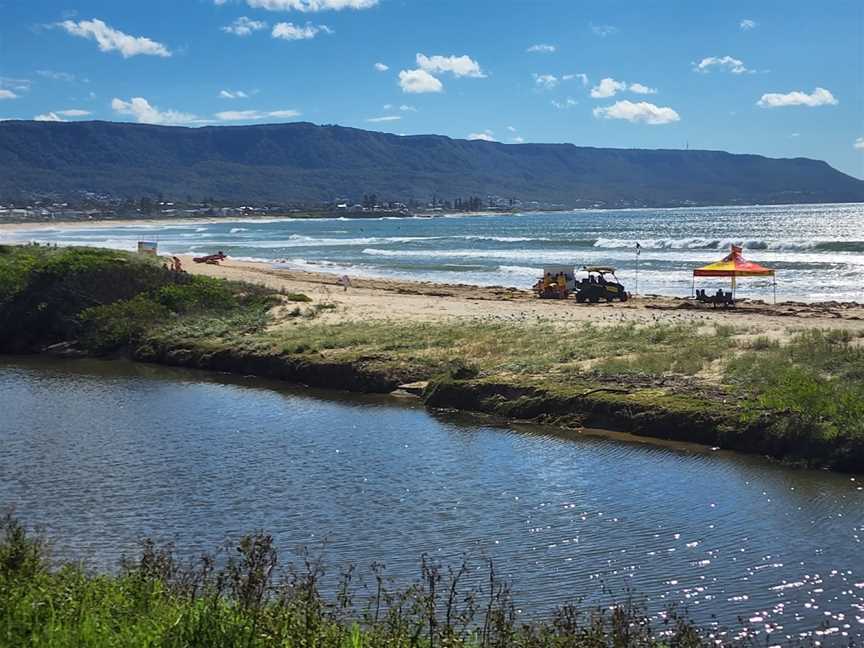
(345, 281)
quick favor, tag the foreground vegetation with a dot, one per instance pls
(801, 400)
(244, 597)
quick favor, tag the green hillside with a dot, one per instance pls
(305, 163)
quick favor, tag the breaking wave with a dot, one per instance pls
(697, 243)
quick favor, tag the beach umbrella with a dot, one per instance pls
(734, 265)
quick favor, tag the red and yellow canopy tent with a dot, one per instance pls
(734, 265)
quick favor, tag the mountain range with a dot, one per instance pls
(304, 163)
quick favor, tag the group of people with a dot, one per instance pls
(720, 297)
(173, 264)
(550, 282)
(558, 282)
(600, 279)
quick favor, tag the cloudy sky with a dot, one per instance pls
(782, 79)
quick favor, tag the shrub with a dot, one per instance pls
(199, 293)
(106, 328)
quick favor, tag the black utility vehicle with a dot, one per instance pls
(596, 286)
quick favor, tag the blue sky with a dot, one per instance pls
(782, 79)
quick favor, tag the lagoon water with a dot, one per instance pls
(104, 453)
(817, 250)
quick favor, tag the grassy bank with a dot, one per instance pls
(244, 596)
(801, 401)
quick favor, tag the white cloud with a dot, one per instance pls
(638, 88)
(567, 103)
(145, 113)
(515, 138)
(110, 39)
(607, 88)
(582, 77)
(290, 31)
(385, 118)
(419, 81)
(641, 112)
(746, 24)
(859, 143)
(729, 63)
(381, 67)
(16, 85)
(311, 5)
(254, 115)
(406, 108)
(459, 66)
(238, 115)
(58, 115)
(7, 94)
(819, 97)
(233, 94)
(604, 30)
(244, 26)
(486, 135)
(610, 87)
(56, 76)
(542, 48)
(545, 81)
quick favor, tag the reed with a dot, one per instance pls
(243, 596)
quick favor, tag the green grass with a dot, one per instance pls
(816, 381)
(245, 597)
(505, 348)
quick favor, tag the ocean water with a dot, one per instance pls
(817, 250)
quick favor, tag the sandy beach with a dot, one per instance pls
(405, 300)
(379, 299)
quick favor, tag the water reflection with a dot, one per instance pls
(103, 454)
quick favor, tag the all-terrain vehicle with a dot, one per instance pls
(596, 286)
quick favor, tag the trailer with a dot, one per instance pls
(557, 282)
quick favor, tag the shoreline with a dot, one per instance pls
(213, 220)
(264, 264)
(170, 220)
